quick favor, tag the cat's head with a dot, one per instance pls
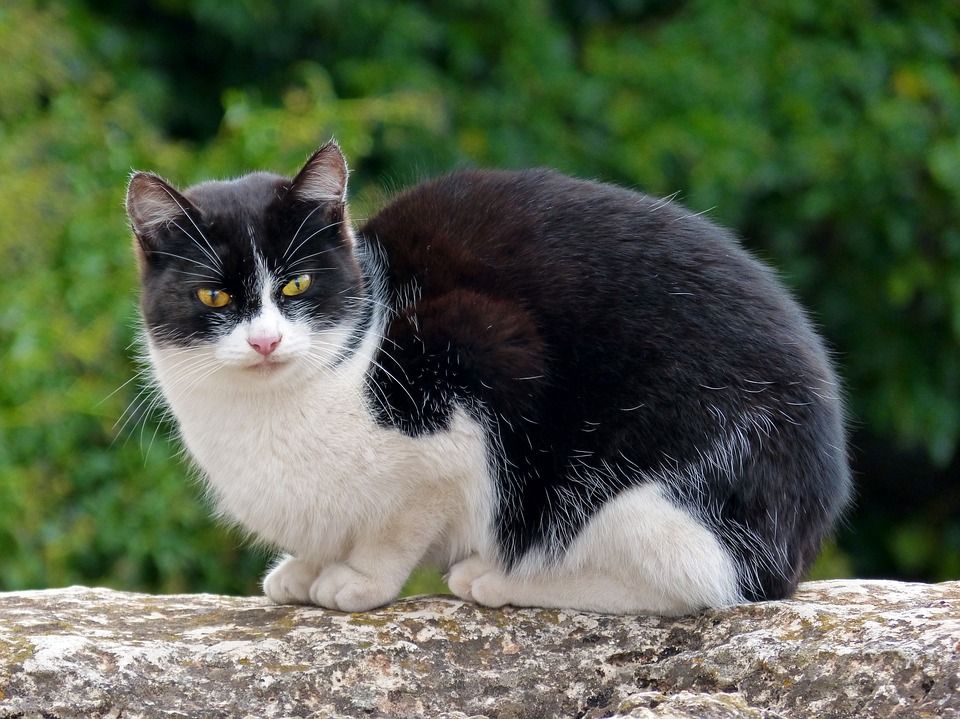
(250, 282)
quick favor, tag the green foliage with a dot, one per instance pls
(827, 135)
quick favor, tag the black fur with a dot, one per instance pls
(607, 335)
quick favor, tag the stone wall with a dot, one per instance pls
(838, 649)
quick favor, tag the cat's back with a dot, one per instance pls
(491, 225)
(581, 255)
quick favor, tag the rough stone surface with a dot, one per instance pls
(837, 649)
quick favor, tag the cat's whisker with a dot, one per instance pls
(185, 369)
(292, 239)
(289, 267)
(309, 237)
(320, 364)
(317, 362)
(372, 395)
(385, 352)
(186, 381)
(137, 375)
(186, 259)
(128, 412)
(400, 384)
(198, 377)
(152, 406)
(370, 300)
(389, 310)
(134, 409)
(213, 258)
(187, 373)
(185, 358)
(306, 270)
(158, 401)
(184, 211)
(146, 455)
(377, 392)
(188, 364)
(197, 274)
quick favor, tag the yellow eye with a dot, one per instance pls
(297, 286)
(213, 298)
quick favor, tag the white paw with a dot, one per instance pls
(477, 580)
(340, 586)
(289, 582)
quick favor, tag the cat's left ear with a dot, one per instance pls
(323, 178)
(152, 204)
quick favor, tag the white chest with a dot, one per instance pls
(289, 468)
(307, 471)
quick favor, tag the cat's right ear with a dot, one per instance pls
(152, 204)
(323, 178)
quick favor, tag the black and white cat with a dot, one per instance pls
(564, 393)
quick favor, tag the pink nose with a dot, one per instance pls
(264, 345)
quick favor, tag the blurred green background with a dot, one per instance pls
(826, 133)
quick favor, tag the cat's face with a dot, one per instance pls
(248, 283)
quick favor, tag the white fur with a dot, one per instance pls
(291, 453)
(640, 554)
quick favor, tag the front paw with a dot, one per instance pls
(477, 580)
(289, 582)
(341, 587)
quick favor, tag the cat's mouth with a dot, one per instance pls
(268, 365)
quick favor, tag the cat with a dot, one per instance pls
(563, 393)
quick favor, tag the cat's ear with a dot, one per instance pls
(323, 178)
(153, 204)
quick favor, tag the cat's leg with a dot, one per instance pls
(586, 592)
(377, 566)
(288, 582)
(461, 576)
(478, 580)
(640, 554)
(589, 592)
